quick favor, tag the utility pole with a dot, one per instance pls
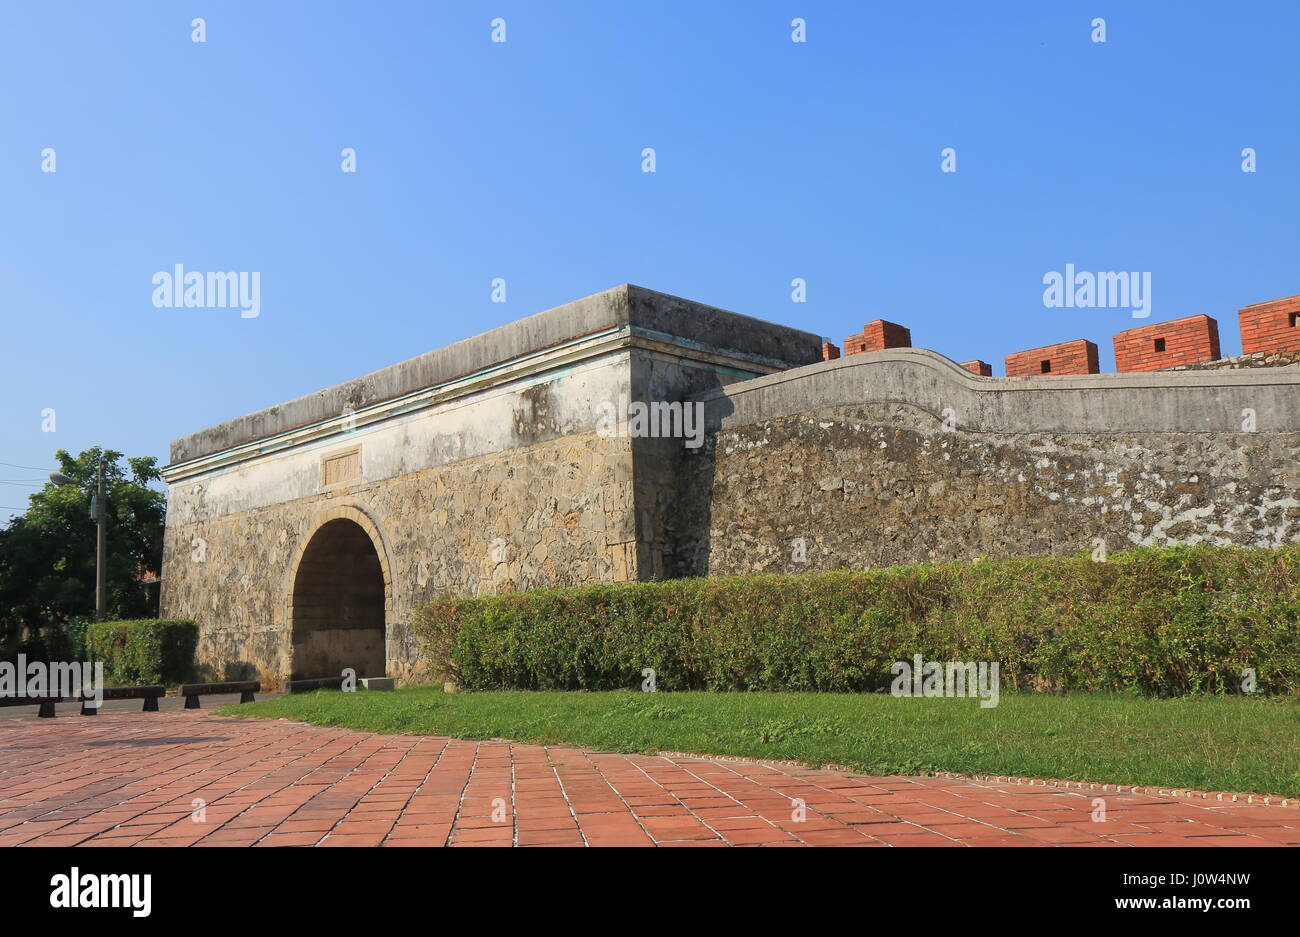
(101, 550)
(98, 502)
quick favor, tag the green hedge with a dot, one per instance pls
(1167, 621)
(146, 651)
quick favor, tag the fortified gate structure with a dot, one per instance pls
(302, 537)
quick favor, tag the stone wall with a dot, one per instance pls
(476, 468)
(499, 475)
(903, 456)
(887, 484)
(555, 513)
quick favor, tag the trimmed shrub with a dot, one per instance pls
(1157, 621)
(145, 651)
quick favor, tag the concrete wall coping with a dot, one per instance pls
(695, 326)
(1151, 401)
(1161, 378)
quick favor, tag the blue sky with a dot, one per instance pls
(522, 160)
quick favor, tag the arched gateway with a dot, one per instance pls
(339, 599)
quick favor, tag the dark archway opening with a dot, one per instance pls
(338, 605)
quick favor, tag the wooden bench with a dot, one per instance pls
(245, 689)
(45, 702)
(149, 693)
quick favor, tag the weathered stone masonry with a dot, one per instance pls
(475, 468)
(302, 537)
(904, 456)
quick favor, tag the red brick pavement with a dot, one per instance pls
(132, 779)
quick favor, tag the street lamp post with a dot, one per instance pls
(101, 550)
(97, 513)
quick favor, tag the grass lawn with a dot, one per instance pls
(1205, 743)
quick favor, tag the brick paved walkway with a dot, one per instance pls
(130, 779)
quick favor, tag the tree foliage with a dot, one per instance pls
(47, 555)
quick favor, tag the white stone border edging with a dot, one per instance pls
(1264, 800)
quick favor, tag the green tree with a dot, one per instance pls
(47, 555)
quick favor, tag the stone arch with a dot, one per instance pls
(339, 597)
